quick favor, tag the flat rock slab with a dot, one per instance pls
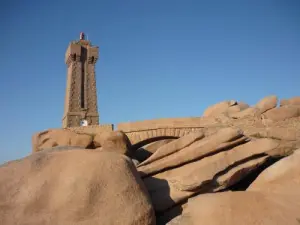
(281, 133)
(174, 146)
(190, 178)
(146, 151)
(273, 198)
(209, 174)
(196, 151)
(154, 146)
(237, 173)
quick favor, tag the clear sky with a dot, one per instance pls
(158, 58)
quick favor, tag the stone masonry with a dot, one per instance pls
(81, 94)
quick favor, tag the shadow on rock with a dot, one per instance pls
(165, 207)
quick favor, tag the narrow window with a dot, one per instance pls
(82, 87)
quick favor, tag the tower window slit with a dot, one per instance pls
(82, 87)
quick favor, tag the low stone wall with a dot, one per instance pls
(92, 130)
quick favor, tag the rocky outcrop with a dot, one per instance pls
(73, 187)
(219, 108)
(226, 107)
(189, 178)
(282, 177)
(291, 101)
(224, 159)
(59, 137)
(143, 153)
(235, 108)
(198, 168)
(267, 103)
(252, 112)
(173, 147)
(115, 141)
(273, 198)
(198, 150)
(282, 113)
(279, 133)
(235, 208)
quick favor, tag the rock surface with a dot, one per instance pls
(235, 208)
(245, 113)
(219, 108)
(218, 172)
(275, 195)
(174, 146)
(73, 187)
(115, 141)
(267, 103)
(193, 152)
(59, 137)
(282, 177)
(291, 101)
(189, 178)
(282, 113)
(146, 151)
(200, 169)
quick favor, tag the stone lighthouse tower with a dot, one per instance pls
(81, 94)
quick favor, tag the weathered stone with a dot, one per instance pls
(238, 172)
(152, 147)
(288, 134)
(267, 103)
(243, 105)
(189, 122)
(218, 108)
(223, 119)
(165, 195)
(282, 113)
(146, 151)
(235, 208)
(233, 109)
(198, 150)
(115, 141)
(98, 139)
(245, 113)
(188, 177)
(59, 137)
(174, 146)
(73, 187)
(283, 177)
(290, 101)
(65, 148)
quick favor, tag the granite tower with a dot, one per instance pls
(81, 94)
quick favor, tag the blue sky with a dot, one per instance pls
(158, 58)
